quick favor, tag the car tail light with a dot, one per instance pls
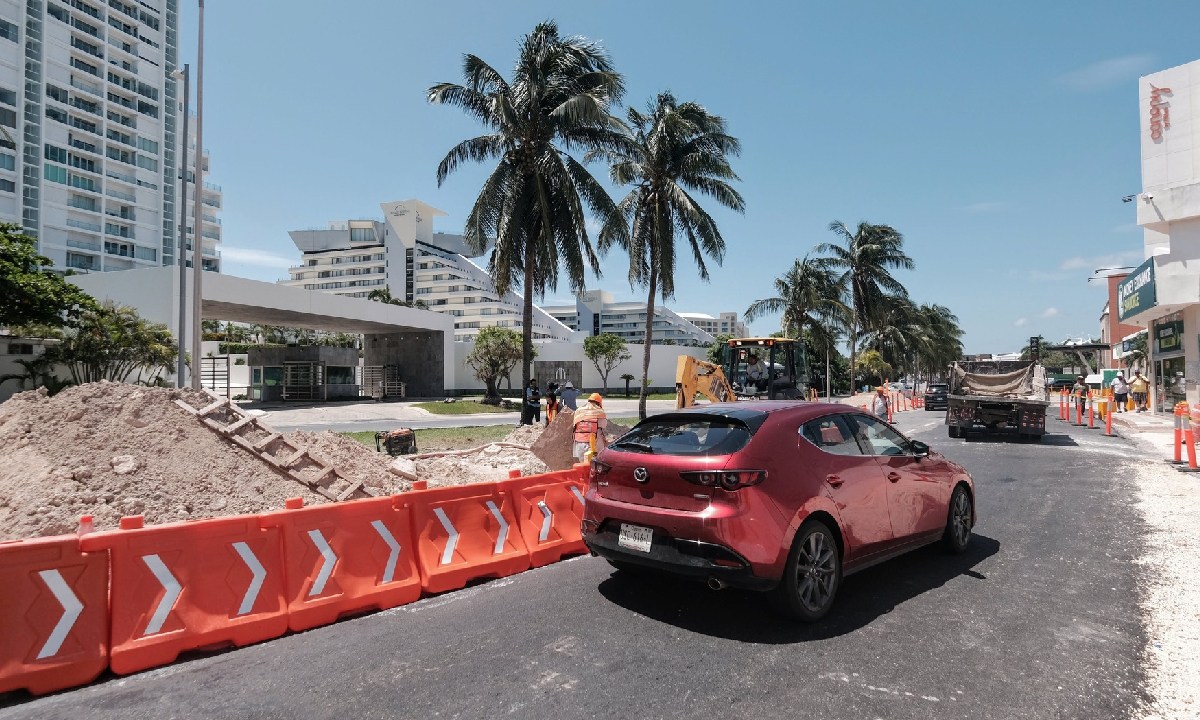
(725, 479)
(599, 470)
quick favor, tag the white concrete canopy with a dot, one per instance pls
(154, 293)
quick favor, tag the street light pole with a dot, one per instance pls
(182, 246)
(198, 217)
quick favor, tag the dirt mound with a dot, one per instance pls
(112, 449)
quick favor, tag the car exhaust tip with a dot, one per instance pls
(717, 584)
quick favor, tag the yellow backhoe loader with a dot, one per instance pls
(751, 369)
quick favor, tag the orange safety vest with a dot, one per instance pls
(585, 429)
(551, 410)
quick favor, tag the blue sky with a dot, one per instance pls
(998, 138)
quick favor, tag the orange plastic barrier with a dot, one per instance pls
(189, 585)
(465, 532)
(549, 511)
(345, 558)
(53, 614)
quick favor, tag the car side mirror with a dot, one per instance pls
(918, 448)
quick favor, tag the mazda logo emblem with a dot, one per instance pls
(641, 475)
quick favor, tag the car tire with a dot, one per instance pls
(812, 576)
(959, 519)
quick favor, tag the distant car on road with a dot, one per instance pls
(901, 387)
(1060, 384)
(782, 497)
(937, 396)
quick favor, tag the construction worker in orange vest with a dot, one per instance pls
(590, 425)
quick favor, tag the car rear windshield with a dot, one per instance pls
(690, 435)
(938, 388)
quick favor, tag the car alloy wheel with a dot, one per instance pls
(958, 521)
(812, 576)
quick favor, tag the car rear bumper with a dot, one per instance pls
(687, 558)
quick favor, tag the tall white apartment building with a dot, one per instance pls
(596, 312)
(727, 323)
(403, 255)
(87, 96)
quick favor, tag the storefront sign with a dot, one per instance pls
(1168, 337)
(1160, 112)
(1136, 292)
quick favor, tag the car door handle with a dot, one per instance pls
(834, 480)
(894, 477)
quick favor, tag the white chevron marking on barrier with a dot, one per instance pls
(452, 541)
(578, 495)
(170, 585)
(256, 583)
(389, 571)
(503, 534)
(71, 606)
(328, 560)
(547, 519)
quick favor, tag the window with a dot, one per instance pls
(20, 349)
(147, 163)
(880, 439)
(7, 186)
(7, 162)
(54, 173)
(8, 97)
(83, 163)
(147, 145)
(8, 31)
(84, 183)
(84, 66)
(694, 435)
(832, 434)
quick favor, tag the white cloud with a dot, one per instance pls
(1021, 322)
(249, 256)
(1049, 312)
(1109, 73)
(985, 207)
(1124, 259)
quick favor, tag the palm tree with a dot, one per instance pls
(673, 151)
(865, 259)
(899, 333)
(807, 293)
(558, 100)
(944, 337)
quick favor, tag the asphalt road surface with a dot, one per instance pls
(1038, 619)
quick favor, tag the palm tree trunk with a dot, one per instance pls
(527, 325)
(646, 343)
(853, 343)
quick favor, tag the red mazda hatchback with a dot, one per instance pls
(783, 496)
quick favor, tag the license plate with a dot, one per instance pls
(635, 537)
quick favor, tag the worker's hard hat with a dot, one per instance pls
(596, 398)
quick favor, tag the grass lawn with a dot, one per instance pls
(455, 438)
(462, 407)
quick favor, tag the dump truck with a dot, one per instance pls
(997, 396)
(768, 368)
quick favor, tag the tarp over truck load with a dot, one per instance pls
(1000, 379)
